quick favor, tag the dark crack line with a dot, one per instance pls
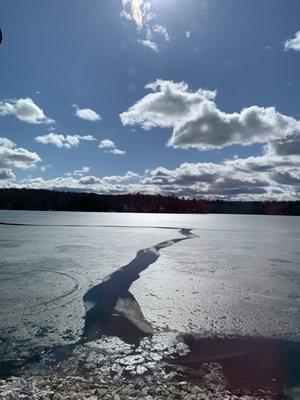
(92, 226)
(113, 226)
(110, 307)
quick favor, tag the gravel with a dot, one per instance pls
(77, 387)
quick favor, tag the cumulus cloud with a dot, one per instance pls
(254, 178)
(212, 128)
(106, 185)
(265, 177)
(294, 43)
(259, 178)
(106, 144)
(4, 142)
(287, 177)
(285, 147)
(167, 106)
(186, 174)
(6, 174)
(197, 122)
(121, 178)
(89, 180)
(202, 175)
(62, 141)
(13, 157)
(92, 180)
(273, 175)
(265, 163)
(109, 147)
(25, 110)
(87, 114)
(79, 172)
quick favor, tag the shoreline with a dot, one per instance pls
(166, 366)
(80, 388)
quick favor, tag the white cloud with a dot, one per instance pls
(259, 178)
(121, 178)
(287, 177)
(197, 122)
(89, 180)
(269, 176)
(59, 183)
(107, 185)
(263, 164)
(293, 44)
(79, 172)
(87, 114)
(160, 29)
(62, 141)
(212, 128)
(117, 152)
(253, 178)
(151, 45)
(13, 157)
(25, 110)
(114, 179)
(6, 174)
(45, 167)
(285, 147)
(186, 174)
(109, 147)
(106, 144)
(140, 11)
(135, 10)
(4, 142)
(166, 107)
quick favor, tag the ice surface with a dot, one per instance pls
(240, 276)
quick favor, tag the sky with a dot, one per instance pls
(199, 98)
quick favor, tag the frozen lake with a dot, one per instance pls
(238, 276)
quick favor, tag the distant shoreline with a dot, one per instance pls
(49, 200)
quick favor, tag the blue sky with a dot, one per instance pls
(186, 134)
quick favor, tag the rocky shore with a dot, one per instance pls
(110, 369)
(80, 388)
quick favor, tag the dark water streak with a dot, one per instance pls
(110, 308)
(250, 364)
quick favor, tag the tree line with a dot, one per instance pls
(45, 200)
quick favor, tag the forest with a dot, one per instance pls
(48, 200)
